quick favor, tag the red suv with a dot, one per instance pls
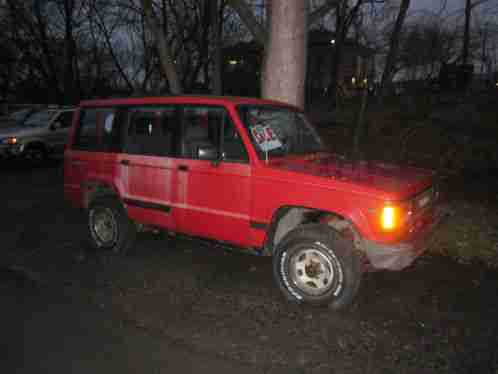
(253, 174)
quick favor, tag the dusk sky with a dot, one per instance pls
(452, 6)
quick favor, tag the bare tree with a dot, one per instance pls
(32, 39)
(466, 33)
(167, 63)
(469, 6)
(345, 17)
(284, 61)
(393, 47)
(216, 25)
(98, 14)
(435, 45)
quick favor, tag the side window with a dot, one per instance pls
(233, 147)
(153, 131)
(66, 119)
(209, 133)
(98, 130)
(86, 137)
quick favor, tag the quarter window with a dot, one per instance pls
(98, 130)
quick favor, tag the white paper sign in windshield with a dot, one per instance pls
(265, 138)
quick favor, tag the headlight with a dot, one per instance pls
(10, 141)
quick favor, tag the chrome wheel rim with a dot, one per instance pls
(104, 227)
(312, 271)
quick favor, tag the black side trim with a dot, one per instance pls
(258, 225)
(148, 205)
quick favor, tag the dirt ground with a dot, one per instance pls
(438, 316)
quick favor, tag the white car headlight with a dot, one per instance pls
(11, 140)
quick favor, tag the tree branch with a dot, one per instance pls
(166, 61)
(322, 11)
(258, 31)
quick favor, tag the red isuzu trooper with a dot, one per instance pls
(249, 173)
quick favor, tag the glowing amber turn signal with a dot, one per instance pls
(388, 218)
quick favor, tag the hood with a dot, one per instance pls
(401, 181)
(6, 131)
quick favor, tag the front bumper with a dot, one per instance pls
(401, 255)
(8, 151)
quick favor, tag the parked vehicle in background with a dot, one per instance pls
(41, 134)
(248, 173)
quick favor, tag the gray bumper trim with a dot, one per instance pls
(401, 255)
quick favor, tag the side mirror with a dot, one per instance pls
(55, 126)
(209, 153)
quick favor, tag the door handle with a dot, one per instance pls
(125, 162)
(183, 168)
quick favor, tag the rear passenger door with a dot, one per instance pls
(148, 164)
(93, 154)
(213, 176)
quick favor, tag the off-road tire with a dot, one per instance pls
(122, 231)
(337, 260)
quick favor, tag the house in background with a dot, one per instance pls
(242, 67)
(354, 72)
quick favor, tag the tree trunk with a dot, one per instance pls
(167, 65)
(340, 38)
(216, 16)
(466, 32)
(48, 68)
(71, 96)
(393, 48)
(284, 71)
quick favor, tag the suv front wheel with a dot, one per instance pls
(109, 227)
(314, 264)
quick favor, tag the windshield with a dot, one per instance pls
(41, 118)
(279, 131)
(20, 115)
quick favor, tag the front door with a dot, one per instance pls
(214, 177)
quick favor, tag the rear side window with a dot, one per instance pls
(153, 131)
(98, 130)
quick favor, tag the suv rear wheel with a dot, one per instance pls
(109, 227)
(314, 264)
